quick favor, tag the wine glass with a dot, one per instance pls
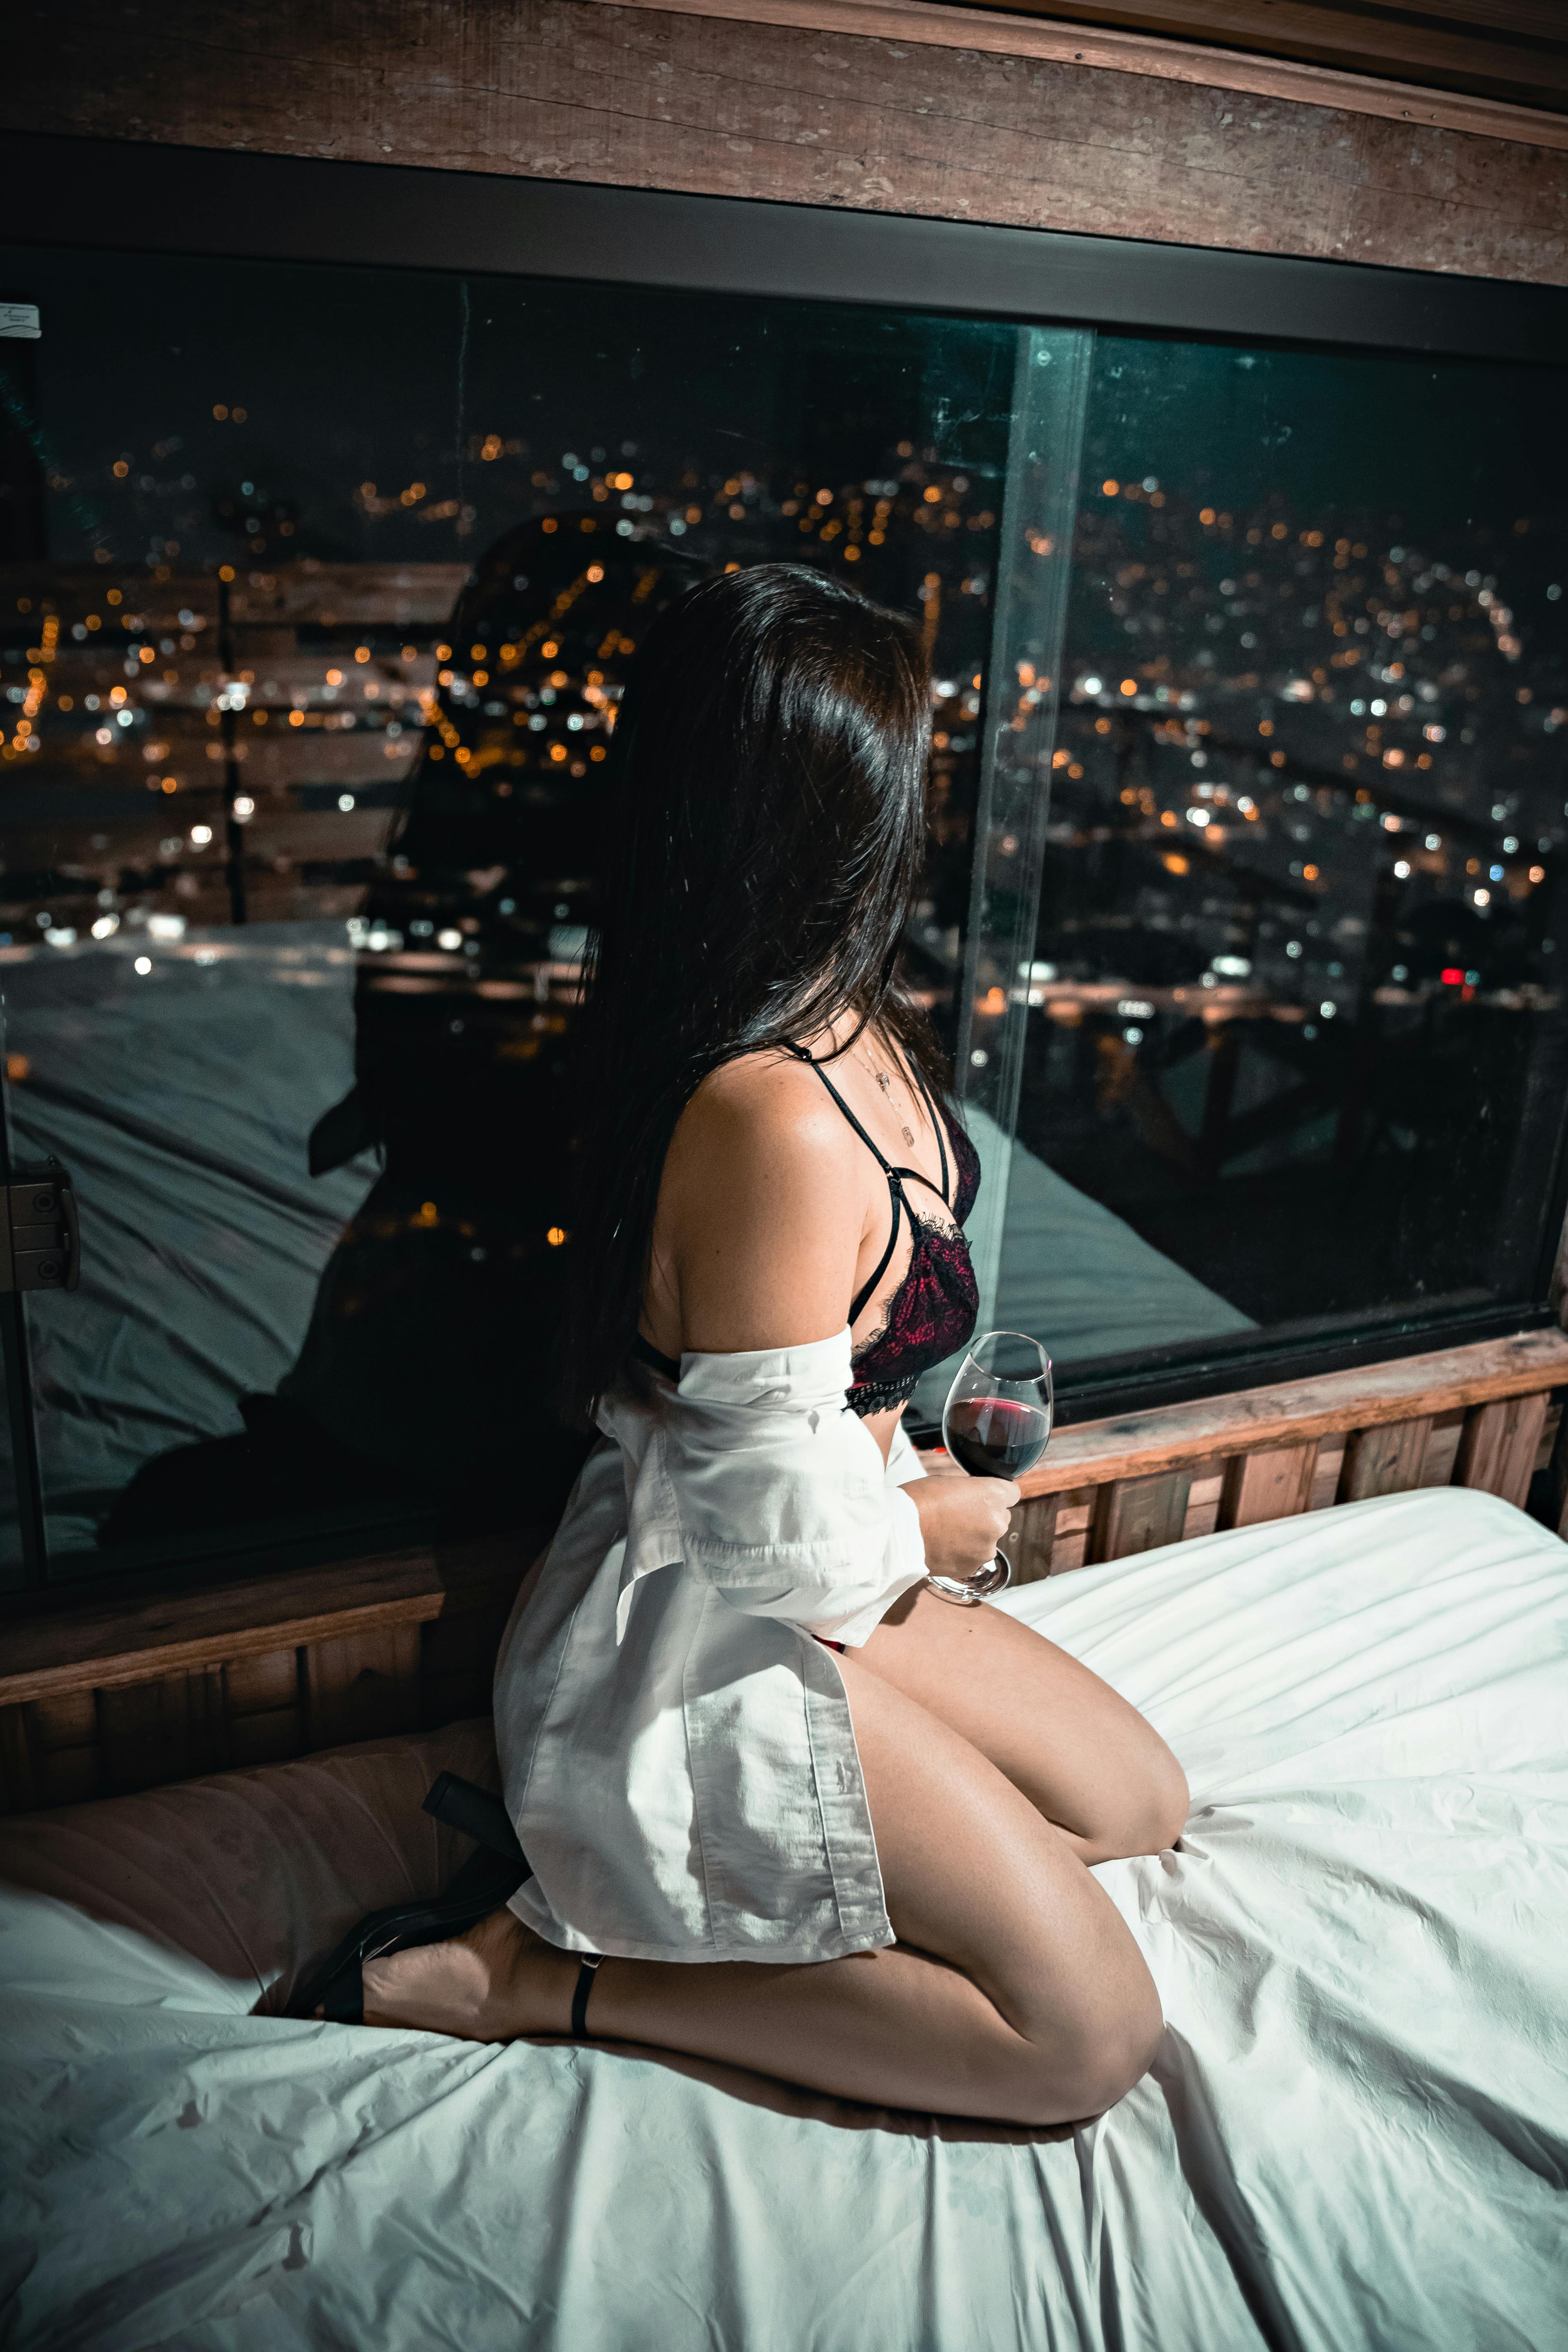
(996, 1424)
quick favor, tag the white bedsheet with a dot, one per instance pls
(1356, 2135)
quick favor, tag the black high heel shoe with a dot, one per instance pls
(481, 1886)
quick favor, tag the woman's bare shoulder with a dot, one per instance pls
(761, 1209)
(763, 1110)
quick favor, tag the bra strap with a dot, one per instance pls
(802, 1055)
(938, 1123)
(866, 1289)
(894, 1175)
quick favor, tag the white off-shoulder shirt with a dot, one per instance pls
(677, 1750)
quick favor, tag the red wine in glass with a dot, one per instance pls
(997, 1437)
(996, 1424)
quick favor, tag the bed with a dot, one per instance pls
(1355, 2134)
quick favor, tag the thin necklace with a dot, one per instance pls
(885, 1080)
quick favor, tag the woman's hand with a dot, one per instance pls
(963, 1519)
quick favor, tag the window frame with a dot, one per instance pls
(137, 196)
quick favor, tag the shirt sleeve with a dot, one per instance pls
(784, 1504)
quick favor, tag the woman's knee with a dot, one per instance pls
(1078, 2067)
(1150, 1811)
(1167, 1802)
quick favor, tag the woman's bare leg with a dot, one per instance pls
(1015, 1991)
(1077, 1750)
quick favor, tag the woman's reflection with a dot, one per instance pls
(425, 1374)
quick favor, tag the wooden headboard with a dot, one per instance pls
(112, 1696)
(117, 1695)
(1486, 1415)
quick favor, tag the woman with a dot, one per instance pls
(817, 1821)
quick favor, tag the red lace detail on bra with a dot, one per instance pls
(933, 1310)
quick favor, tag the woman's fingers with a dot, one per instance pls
(963, 1519)
(997, 1497)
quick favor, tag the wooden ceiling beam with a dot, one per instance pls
(989, 32)
(1517, 53)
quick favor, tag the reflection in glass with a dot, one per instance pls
(311, 671)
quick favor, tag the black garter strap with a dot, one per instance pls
(585, 1976)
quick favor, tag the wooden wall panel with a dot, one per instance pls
(269, 1736)
(263, 1685)
(58, 1737)
(1071, 1547)
(1133, 1515)
(642, 96)
(1273, 1485)
(1557, 1466)
(1387, 1461)
(66, 1719)
(108, 1697)
(152, 1732)
(457, 1666)
(128, 1694)
(18, 1779)
(1326, 1473)
(1498, 1449)
(67, 1776)
(362, 1686)
(1204, 1497)
(264, 1700)
(1030, 1538)
(1442, 1449)
(1286, 1413)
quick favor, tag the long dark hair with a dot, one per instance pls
(766, 844)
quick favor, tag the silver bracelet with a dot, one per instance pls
(967, 1593)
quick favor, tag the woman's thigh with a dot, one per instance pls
(1080, 1753)
(974, 1874)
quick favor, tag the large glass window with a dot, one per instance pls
(1296, 1045)
(317, 589)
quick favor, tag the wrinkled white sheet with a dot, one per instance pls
(1356, 2135)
